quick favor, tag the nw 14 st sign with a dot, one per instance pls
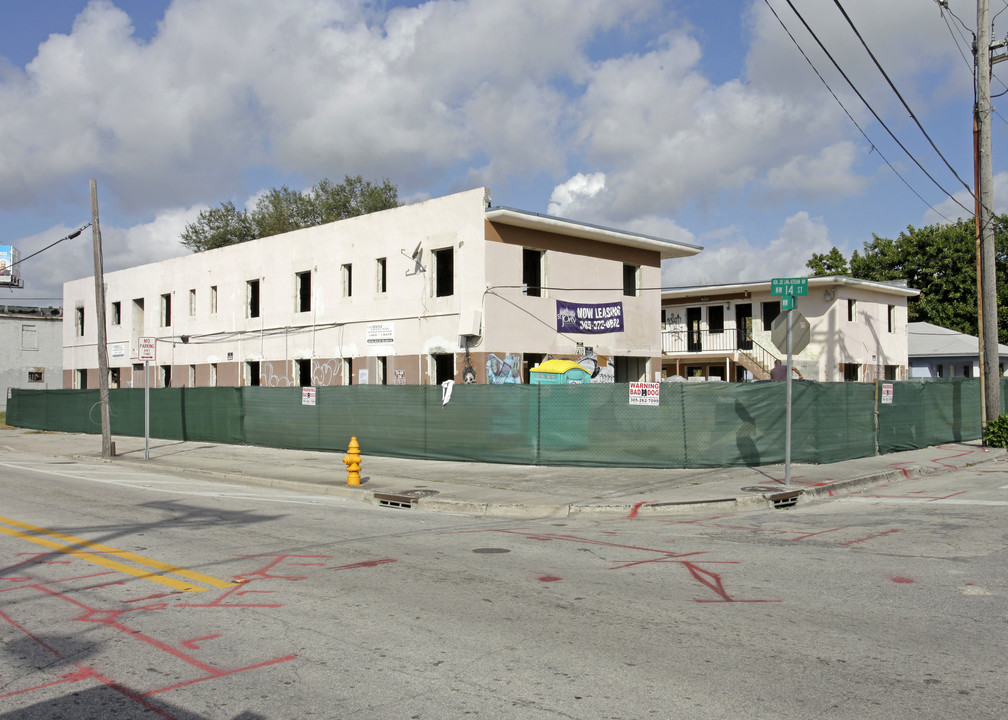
(642, 393)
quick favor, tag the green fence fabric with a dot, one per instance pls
(930, 413)
(692, 425)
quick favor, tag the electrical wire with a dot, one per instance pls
(913, 116)
(871, 109)
(71, 236)
(849, 116)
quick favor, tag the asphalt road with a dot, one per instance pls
(139, 595)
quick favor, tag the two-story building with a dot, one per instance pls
(452, 288)
(858, 331)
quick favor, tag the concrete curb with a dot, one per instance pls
(774, 498)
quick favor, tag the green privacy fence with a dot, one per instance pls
(692, 425)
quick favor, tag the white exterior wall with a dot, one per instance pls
(337, 326)
(30, 343)
(535, 328)
(834, 340)
(865, 340)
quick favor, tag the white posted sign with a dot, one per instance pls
(145, 349)
(642, 393)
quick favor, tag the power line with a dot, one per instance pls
(851, 117)
(71, 236)
(899, 95)
(871, 109)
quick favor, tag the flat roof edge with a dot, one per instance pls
(576, 228)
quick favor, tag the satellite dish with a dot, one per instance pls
(417, 252)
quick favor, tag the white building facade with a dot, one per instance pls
(447, 289)
(31, 348)
(857, 331)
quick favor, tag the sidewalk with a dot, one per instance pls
(507, 490)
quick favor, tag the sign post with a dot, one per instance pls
(146, 351)
(788, 289)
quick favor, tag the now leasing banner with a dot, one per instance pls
(589, 318)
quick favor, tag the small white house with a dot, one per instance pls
(937, 352)
(857, 330)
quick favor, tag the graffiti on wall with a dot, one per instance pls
(271, 378)
(326, 372)
(504, 372)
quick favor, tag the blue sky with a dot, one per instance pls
(694, 120)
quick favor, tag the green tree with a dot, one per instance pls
(217, 227)
(831, 263)
(281, 210)
(940, 261)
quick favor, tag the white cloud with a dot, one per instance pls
(122, 247)
(568, 199)
(828, 172)
(735, 259)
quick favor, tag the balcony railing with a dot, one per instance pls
(696, 341)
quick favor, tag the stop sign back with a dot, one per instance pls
(800, 331)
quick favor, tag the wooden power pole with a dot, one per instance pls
(103, 374)
(987, 301)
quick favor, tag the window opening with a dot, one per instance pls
(303, 283)
(382, 275)
(444, 272)
(715, 318)
(770, 312)
(532, 272)
(117, 313)
(630, 280)
(347, 272)
(166, 310)
(444, 368)
(252, 372)
(304, 372)
(252, 294)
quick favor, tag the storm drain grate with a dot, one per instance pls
(405, 499)
(785, 499)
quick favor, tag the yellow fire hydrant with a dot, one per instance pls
(352, 460)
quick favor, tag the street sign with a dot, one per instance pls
(146, 348)
(789, 286)
(800, 331)
(788, 302)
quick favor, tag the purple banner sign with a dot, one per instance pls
(589, 318)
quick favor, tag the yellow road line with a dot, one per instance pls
(76, 551)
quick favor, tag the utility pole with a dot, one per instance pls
(987, 301)
(99, 276)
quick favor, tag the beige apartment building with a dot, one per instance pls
(452, 288)
(857, 331)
